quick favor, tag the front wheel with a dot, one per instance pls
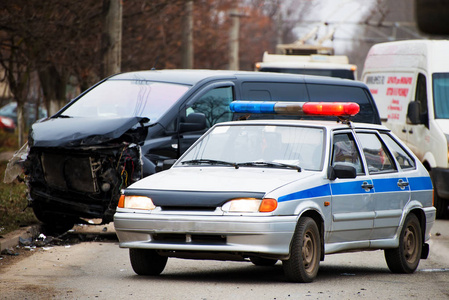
(405, 258)
(147, 262)
(304, 261)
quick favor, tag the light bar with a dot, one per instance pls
(296, 108)
(267, 107)
(331, 108)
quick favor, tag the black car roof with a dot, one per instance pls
(191, 77)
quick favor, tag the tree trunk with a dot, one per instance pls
(112, 37)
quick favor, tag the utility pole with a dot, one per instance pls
(234, 39)
(112, 37)
(187, 36)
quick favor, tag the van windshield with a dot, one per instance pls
(127, 98)
(441, 95)
(339, 73)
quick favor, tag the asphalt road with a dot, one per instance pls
(101, 270)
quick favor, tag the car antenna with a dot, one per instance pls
(155, 62)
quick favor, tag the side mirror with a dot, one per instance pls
(341, 171)
(194, 122)
(165, 165)
(413, 113)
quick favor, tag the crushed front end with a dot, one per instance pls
(85, 182)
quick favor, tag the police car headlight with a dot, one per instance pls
(250, 205)
(136, 202)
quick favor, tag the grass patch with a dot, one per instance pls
(13, 196)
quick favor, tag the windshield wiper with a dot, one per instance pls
(210, 162)
(269, 165)
(62, 116)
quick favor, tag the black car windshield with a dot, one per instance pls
(259, 146)
(127, 98)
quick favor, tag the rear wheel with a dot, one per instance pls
(147, 262)
(405, 258)
(304, 261)
(264, 262)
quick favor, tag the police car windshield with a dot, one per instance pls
(127, 98)
(260, 146)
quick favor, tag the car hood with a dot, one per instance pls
(214, 179)
(71, 132)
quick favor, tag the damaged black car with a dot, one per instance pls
(130, 125)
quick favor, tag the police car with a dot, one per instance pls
(289, 190)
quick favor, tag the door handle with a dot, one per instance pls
(367, 186)
(402, 184)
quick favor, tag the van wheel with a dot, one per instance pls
(405, 258)
(147, 262)
(263, 262)
(304, 261)
(441, 205)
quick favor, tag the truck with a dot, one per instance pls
(409, 81)
(309, 60)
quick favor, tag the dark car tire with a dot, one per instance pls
(405, 258)
(305, 253)
(263, 262)
(147, 262)
(53, 224)
(441, 205)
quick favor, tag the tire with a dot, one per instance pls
(263, 262)
(441, 205)
(405, 258)
(147, 262)
(53, 224)
(305, 253)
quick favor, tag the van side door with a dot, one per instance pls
(419, 139)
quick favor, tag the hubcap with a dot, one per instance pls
(308, 251)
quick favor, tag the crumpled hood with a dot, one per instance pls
(70, 132)
(220, 179)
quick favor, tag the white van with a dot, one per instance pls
(409, 81)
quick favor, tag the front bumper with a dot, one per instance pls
(245, 235)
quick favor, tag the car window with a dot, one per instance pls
(377, 156)
(404, 159)
(274, 91)
(340, 93)
(344, 151)
(214, 105)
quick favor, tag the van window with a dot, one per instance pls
(336, 93)
(421, 97)
(441, 94)
(339, 73)
(215, 105)
(274, 91)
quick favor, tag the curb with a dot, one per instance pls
(11, 240)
